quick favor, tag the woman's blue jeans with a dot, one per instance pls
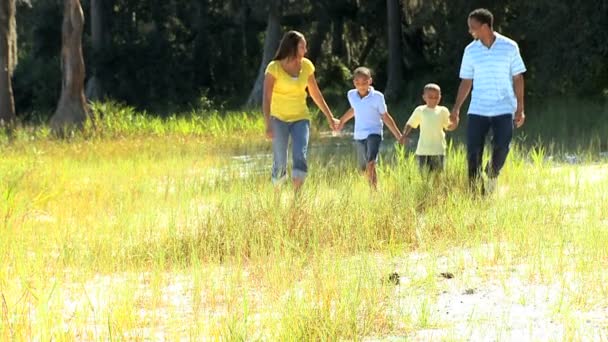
(300, 133)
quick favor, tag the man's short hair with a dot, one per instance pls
(483, 16)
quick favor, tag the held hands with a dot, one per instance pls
(339, 126)
(453, 125)
(454, 118)
(399, 137)
(334, 124)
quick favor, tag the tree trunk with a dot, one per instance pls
(100, 11)
(395, 68)
(367, 49)
(8, 59)
(202, 77)
(241, 19)
(271, 43)
(318, 38)
(337, 40)
(72, 110)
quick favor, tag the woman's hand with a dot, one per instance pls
(334, 123)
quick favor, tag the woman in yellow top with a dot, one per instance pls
(287, 78)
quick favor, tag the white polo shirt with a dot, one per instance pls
(492, 70)
(368, 112)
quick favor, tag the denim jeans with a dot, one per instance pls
(478, 128)
(299, 132)
(367, 150)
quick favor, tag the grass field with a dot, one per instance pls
(150, 229)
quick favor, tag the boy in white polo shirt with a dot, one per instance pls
(369, 109)
(432, 119)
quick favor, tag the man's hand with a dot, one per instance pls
(455, 117)
(519, 118)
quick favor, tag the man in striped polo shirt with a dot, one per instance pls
(493, 67)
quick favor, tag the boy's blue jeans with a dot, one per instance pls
(478, 127)
(299, 132)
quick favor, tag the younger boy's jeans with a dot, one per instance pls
(431, 163)
(478, 127)
(299, 132)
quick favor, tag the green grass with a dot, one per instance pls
(148, 229)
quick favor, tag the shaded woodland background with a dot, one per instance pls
(169, 55)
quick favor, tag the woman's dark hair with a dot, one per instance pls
(483, 16)
(289, 45)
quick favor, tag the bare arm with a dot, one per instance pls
(412, 123)
(518, 87)
(349, 114)
(315, 93)
(392, 126)
(463, 92)
(407, 130)
(266, 100)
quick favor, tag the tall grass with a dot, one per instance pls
(115, 121)
(139, 233)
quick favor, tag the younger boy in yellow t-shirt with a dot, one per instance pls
(432, 119)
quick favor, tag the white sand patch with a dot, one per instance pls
(490, 303)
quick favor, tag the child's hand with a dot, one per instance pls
(455, 116)
(339, 126)
(404, 140)
(453, 125)
(334, 124)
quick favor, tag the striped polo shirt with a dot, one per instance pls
(492, 70)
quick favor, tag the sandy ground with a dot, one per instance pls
(492, 303)
(467, 302)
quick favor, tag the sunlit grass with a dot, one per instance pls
(151, 231)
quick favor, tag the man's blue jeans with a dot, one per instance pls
(478, 127)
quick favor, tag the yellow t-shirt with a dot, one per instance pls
(288, 102)
(432, 122)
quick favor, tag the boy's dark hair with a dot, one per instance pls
(362, 71)
(483, 16)
(288, 47)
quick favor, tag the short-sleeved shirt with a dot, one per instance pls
(288, 101)
(492, 70)
(432, 122)
(369, 110)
